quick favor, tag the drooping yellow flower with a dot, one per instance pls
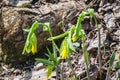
(34, 50)
(64, 54)
(74, 38)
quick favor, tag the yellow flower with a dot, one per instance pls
(34, 50)
(74, 38)
(64, 53)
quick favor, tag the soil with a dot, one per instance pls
(108, 16)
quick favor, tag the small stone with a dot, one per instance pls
(12, 69)
(5, 67)
(17, 71)
(17, 2)
(17, 77)
(38, 66)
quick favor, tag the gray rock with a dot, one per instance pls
(38, 66)
(109, 20)
(14, 20)
(14, 36)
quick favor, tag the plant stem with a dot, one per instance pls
(108, 74)
(88, 72)
(86, 58)
(99, 54)
(69, 62)
(55, 55)
(54, 52)
(59, 36)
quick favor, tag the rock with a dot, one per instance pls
(37, 75)
(17, 71)
(38, 66)
(109, 20)
(14, 37)
(18, 78)
(14, 20)
(92, 41)
(17, 3)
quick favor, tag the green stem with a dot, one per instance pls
(88, 72)
(86, 58)
(99, 54)
(54, 52)
(59, 36)
(55, 55)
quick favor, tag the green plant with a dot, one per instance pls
(92, 15)
(72, 78)
(73, 34)
(112, 57)
(31, 46)
(67, 46)
(31, 42)
(79, 32)
(52, 56)
(117, 66)
(52, 63)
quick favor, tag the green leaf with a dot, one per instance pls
(81, 16)
(25, 47)
(91, 12)
(71, 78)
(34, 26)
(31, 38)
(56, 47)
(117, 65)
(85, 53)
(86, 57)
(70, 42)
(82, 32)
(64, 49)
(77, 34)
(28, 48)
(32, 29)
(44, 61)
(46, 26)
(112, 57)
(49, 71)
(73, 28)
(51, 56)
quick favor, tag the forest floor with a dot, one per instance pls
(109, 22)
